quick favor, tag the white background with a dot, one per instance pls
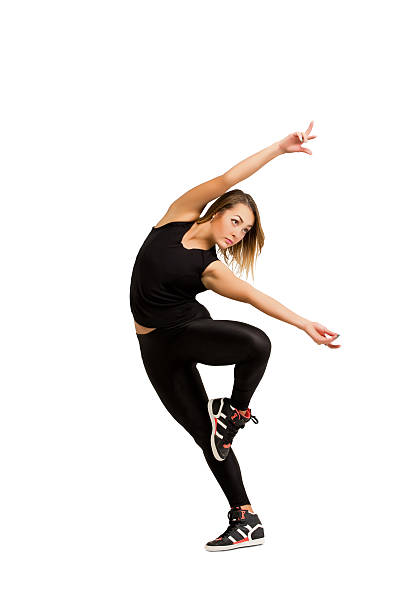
(109, 112)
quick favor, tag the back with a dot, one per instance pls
(166, 278)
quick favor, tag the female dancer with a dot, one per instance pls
(176, 261)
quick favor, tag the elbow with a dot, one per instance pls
(247, 294)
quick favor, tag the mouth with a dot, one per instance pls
(228, 241)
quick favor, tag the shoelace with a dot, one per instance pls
(233, 427)
(253, 418)
(233, 524)
(232, 430)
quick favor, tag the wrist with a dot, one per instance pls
(301, 323)
(274, 150)
(279, 148)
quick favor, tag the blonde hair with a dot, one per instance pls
(244, 253)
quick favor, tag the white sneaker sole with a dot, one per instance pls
(212, 417)
(231, 546)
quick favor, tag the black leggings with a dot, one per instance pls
(170, 358)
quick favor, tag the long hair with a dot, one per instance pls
(242, 255)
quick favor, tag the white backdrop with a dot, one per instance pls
(109, 112)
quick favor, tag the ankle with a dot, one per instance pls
(243, 412)
(247, 507)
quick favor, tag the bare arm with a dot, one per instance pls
(191, 204)
(220, 279)
(252, 164)
(273, 308)
(289, 144)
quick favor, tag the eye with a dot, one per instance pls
(246, 230)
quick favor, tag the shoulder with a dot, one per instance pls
(190, 205)
(170, 217)
(219, 278)
(214, 270)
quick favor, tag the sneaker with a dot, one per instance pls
(226, 422)
(245, 529)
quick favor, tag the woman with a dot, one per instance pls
(176, 261)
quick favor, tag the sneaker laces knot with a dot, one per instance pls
(234, 518)
(250, 417)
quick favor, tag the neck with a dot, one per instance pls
(201, 233)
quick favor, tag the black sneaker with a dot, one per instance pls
(226, 422)
(245, 529)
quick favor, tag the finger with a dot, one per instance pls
(304, 136)
(330, 332)
(320, 329)
(327, 340)
(332, 340)
(306, 151)
(310, 137)
(309, 129)
(299, 135)
(318, 339)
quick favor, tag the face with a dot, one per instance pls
(231, 226)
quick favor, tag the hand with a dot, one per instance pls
(317, 332)
(293, 142)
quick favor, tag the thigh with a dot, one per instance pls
(220, 342)
(180, 389)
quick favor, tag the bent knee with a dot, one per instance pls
(260, 342)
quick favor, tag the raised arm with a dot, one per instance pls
(220, 279)
(290, 144)
(191, 204)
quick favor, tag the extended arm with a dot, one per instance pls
(191, 204)
(195, 200)
(289, 144)
(220, 279)
(252, 164)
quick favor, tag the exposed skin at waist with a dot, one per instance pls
(140, 329)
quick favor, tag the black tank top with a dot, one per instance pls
(166, 278)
